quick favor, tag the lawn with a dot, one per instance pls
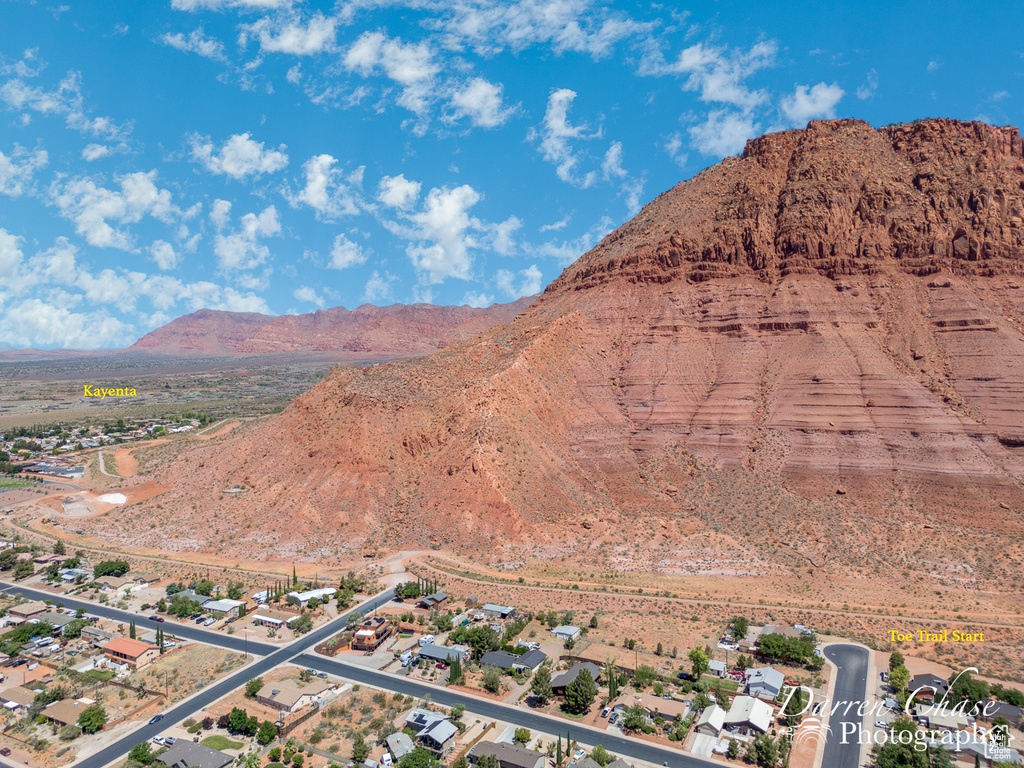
(101, 674)
(221, 742)
(10, 483)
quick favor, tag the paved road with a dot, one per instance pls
(189, 631)
(851, 686)
(521, 716)
(217, 690)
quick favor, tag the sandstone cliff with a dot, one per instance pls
(813, 350)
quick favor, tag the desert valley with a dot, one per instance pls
(778, 409)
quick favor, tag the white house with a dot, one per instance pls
(303, 598)
(566, 632)
(748, 715)
(765, 683)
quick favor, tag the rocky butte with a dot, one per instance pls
(810, 355)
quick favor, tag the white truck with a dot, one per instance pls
(406, 658)
(426, 640)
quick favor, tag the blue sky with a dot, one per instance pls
(281, 156)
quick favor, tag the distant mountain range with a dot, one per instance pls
(365, 333)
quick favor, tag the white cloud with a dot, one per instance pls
(481, 101)
(567, 251)
(397, 191)
(674, 147)
(195, 42)
(477, 300)
(10, 253)
(206, 295)
(345, 253)
(555, 135)
(65, 101)
(717, 72)
(33, 321)
(328, 190)
(220, 213)
(933, 66)
(238, 157)
(445, 223)
(723, 133)
(163, 254)
(560, 224)
(566, 25)
(242, 248)
(93, 152)
(18, 168)
(92, 207)
(291, 36)
(867, 90)
(809, 104)
(378, 287)
(217, 5)
(309, 295)
(410, 65)
(529, 283)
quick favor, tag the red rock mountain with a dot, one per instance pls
(812, 352)
(366, 333)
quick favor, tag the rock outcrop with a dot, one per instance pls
(814, 349)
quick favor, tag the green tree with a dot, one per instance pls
(23, 569)
(734, 749)
(487, 761)
(234, 591)
(634, 718)
(110, 568)
(540, 685)
(92, 718)
(419, 758)
(238, 720)
(455, 672)
(581, 692)
(644, 676)
(740, 626)
(253, 687)
(204, 587)
(593, 621)
(699, 663)
(522, 735)
(898, 679)
(893, 754)
(267, 733)
(302, 624)
(766, 751)
(298, 759)
(601, 756)
(492, 678)
(660, 650)
(1001, 731)
(59, 548)
(141, 753)
(896, 660)
(360, 749)
(131, 630)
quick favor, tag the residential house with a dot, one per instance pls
(223, 607)
(433, 730)
(711, 721)
(990, 710)
(666, 709)
(268, 617)
(56, 620)
(585, 762)
(18, 698)
(940, 719)
(432, 601)
(290, 696)
(188, 754)
(143, 580)
(372, 634)
(506, 661)
(749, 716)
(65, 711)
(445, 654)
(194, 597)
(73, 575)
(27, 611)
(509, 755)
(717, 668)
(303, 598)
(493, 611)
(790, 633)
(973, 752)
(115, 583)
(561, 681)
(135, 653)
(400, 745)
(620, 763)
(928, 687)
(566, 632)
(97, 636)
(765, 683)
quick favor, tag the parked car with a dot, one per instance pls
(442, 665)
(881, 724)
(324, 676)
(5, 751)
(157, 618)
(386, 759)
(156, 719)
(613, 718)
(209, 622)
(579, 754)
(606, 711)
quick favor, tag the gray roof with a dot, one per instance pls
(563, 680)
(586, 762)
(532, 659)
(500, 659)
(766, 676)
(187, 754)
(400, 745)
(620, 763)
(440, 731)
(509, 755)
(443, 653)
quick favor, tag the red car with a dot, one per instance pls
(442, 665)
(5, 751)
